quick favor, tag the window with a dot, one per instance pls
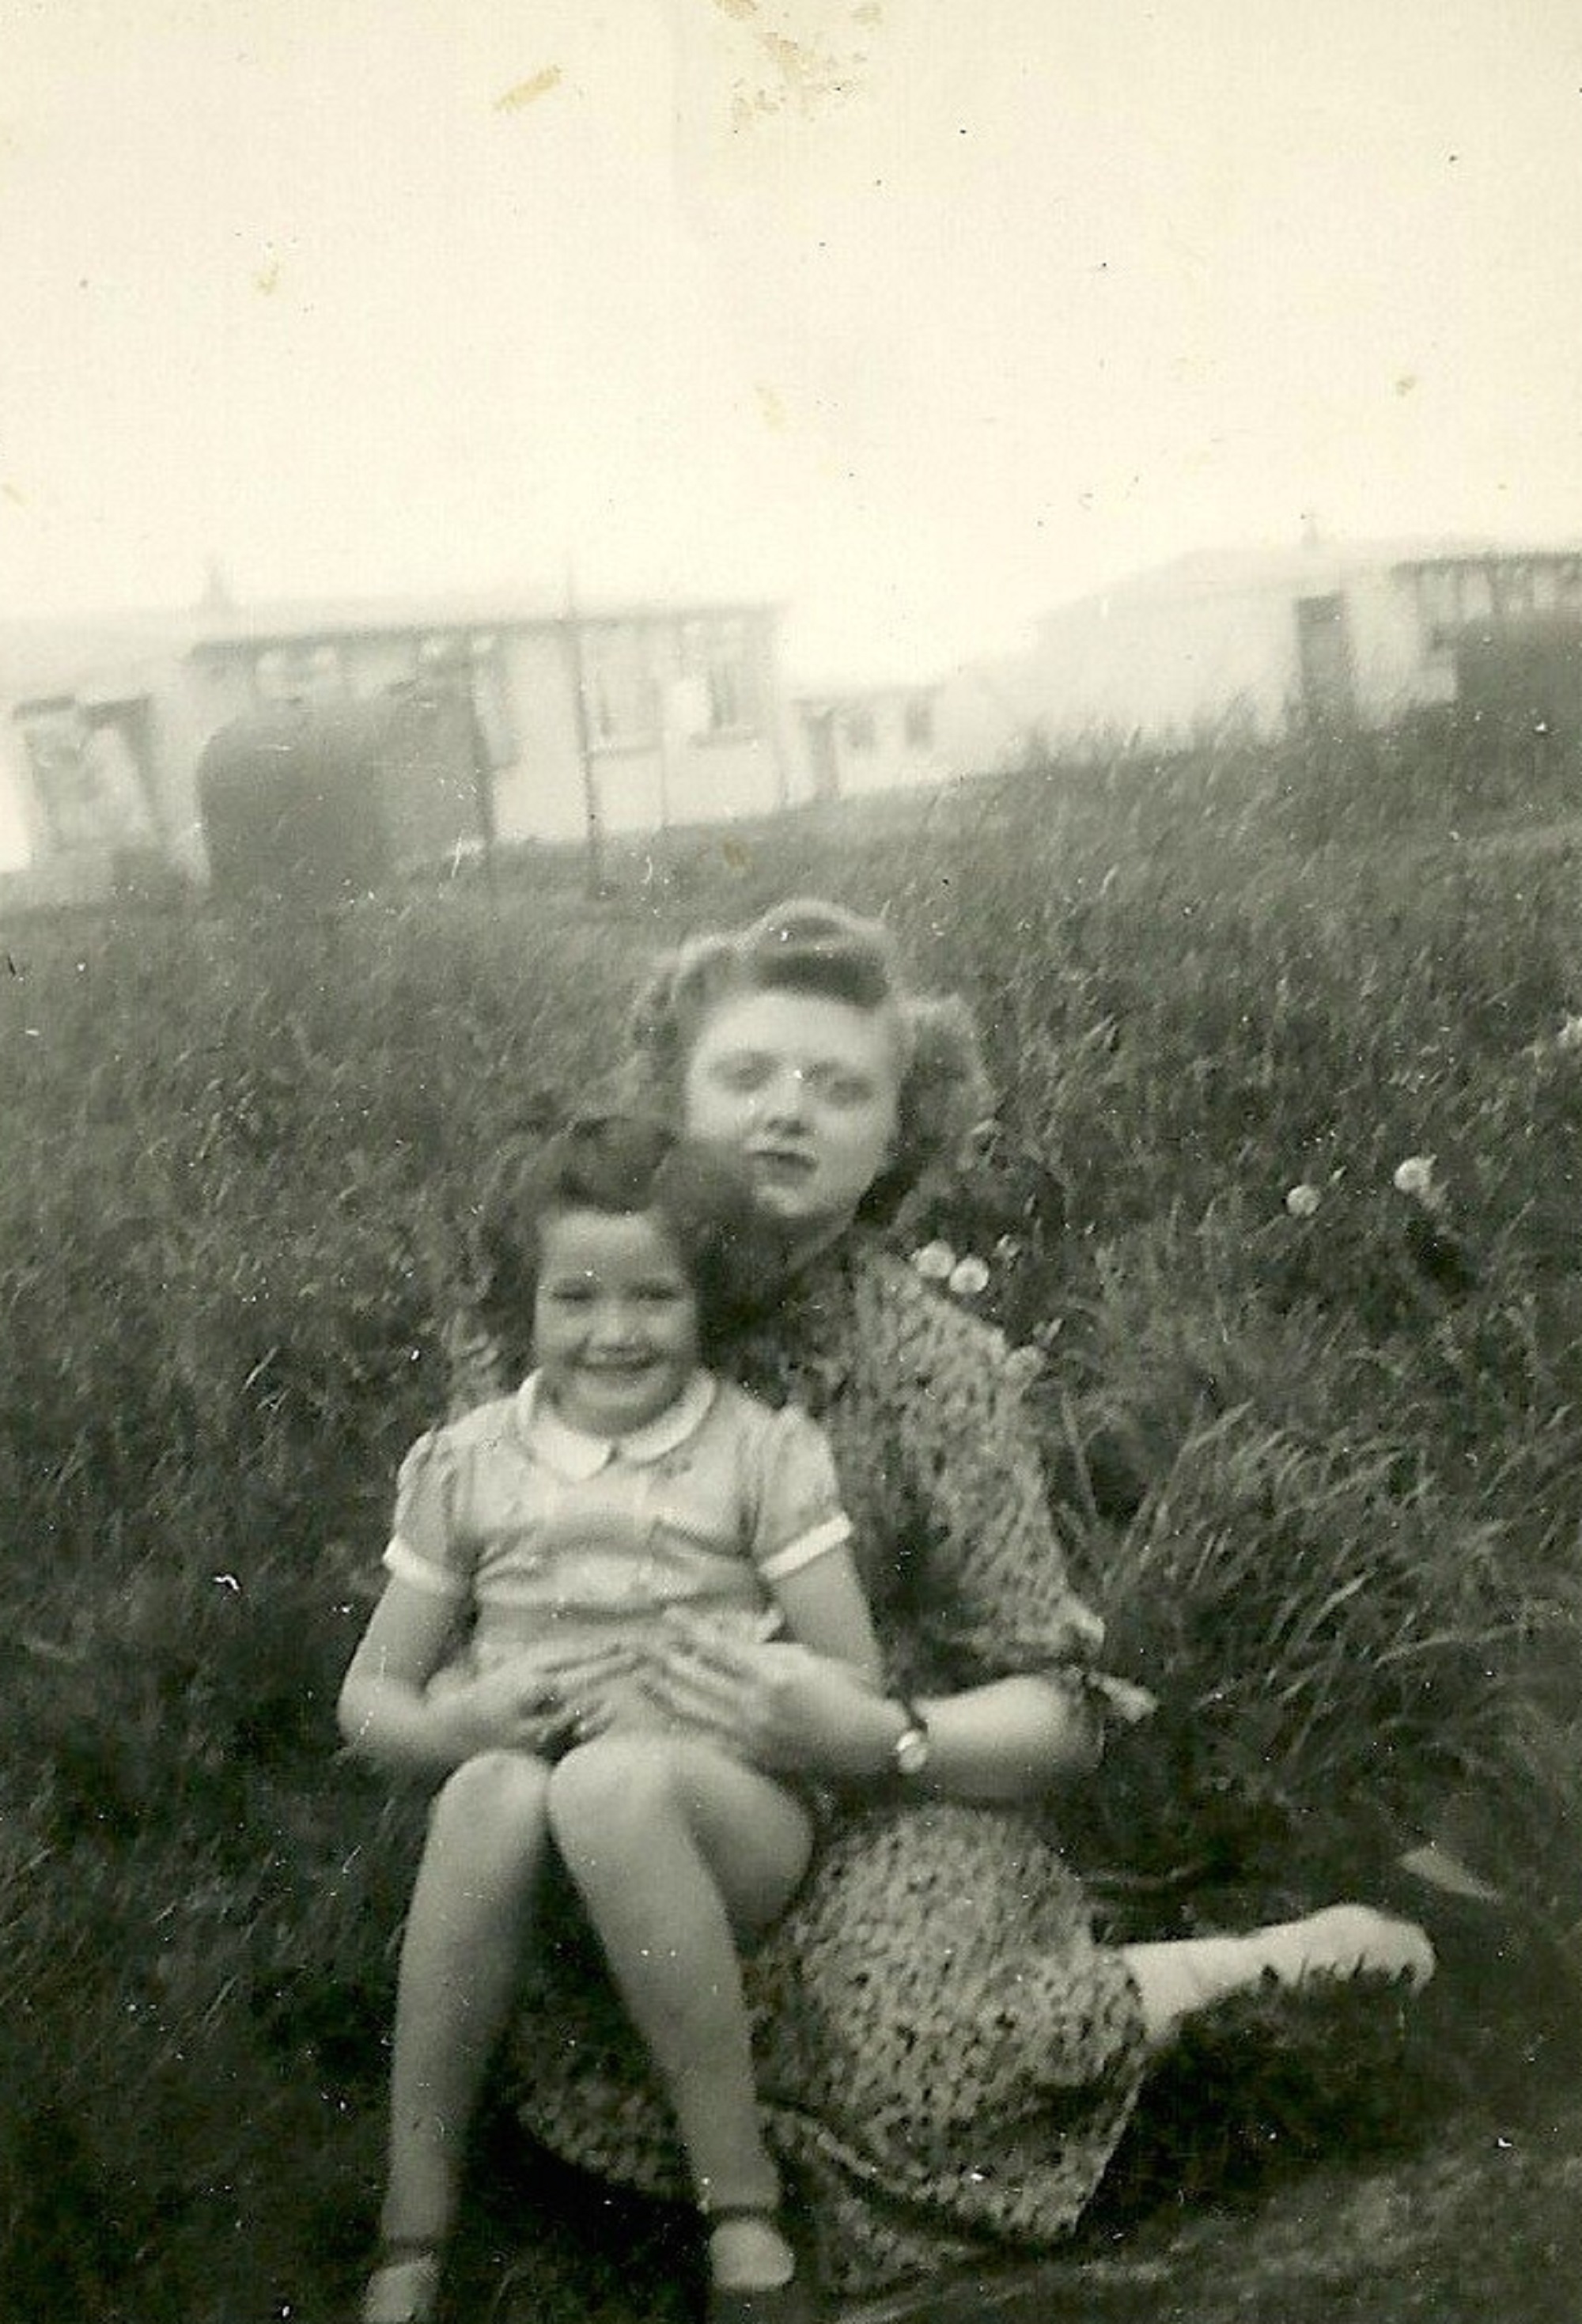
(87, 779)
(443, 651)
(719, 655)
(300, 673)
(860, 727)
(617, 686)
(919, 722)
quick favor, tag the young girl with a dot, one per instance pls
(564, 1526)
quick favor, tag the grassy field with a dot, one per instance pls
(1314, 1439)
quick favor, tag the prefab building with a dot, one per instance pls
(637, 715)
(641, 715)
(1353, 633)
(878, 737)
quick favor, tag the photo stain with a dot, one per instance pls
(528, 92)
(807, 77)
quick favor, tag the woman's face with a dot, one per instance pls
(805, 1091)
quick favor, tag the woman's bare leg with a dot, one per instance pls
(461, 1962)
(677, 1849)
(1177, 1978)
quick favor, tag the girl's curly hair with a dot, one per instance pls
(619, 1162)
(806, 946)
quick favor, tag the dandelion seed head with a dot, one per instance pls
(935, 1262)
(1303, 1200)
(1415, 1176)
(969, 1277)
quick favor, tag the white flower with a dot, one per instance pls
(969, 1277)
(1569, 1036)
(1302, 1200)
(935, 1262)
(1415, 1176)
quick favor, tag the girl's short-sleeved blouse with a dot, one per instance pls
(544, 1535)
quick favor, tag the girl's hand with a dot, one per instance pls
(404, 1707)
(563, 1699)
(780, 1706)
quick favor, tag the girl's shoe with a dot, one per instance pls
(790, 2302)
(404, 2287)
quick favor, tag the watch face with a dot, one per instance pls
(912, 1751)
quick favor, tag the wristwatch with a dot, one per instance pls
(913, 1746)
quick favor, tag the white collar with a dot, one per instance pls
(577, 1455)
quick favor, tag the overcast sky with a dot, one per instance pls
(923, 315)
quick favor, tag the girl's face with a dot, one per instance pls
(805, 1091)
(615, 1324)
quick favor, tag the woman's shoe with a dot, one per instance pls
(404, 2287)
(790, 2302)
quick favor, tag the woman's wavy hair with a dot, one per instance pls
(617, 1163)
(806, 946)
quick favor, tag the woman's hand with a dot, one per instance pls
(780, 1705)
(794, 1712)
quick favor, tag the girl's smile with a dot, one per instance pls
(615, 1327)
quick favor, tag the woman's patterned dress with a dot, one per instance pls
(945, 2057)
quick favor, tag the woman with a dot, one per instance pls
(946, 2056)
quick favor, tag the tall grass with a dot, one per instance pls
(1318, 1470)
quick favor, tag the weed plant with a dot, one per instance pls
(1315, 1458)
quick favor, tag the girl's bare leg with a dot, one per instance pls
(1177, 1978)
(677, 1849)
(461, 1962)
